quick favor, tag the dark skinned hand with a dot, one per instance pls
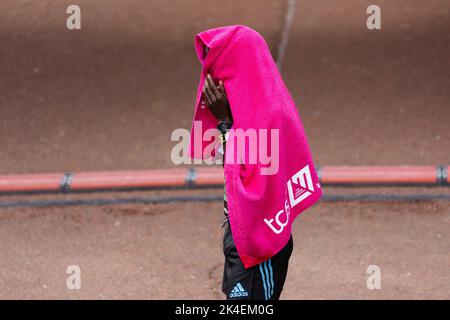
(216, 100)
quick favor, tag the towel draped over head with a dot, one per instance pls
(263, 198)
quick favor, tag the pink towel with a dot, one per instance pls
(261, 205)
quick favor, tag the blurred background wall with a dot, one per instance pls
(109, 95)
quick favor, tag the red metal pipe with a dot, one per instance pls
(30, 182)
(379, 175)
(209, 176)
(128, 179)
(203, 176)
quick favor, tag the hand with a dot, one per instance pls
(216, 100)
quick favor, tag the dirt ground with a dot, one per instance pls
(107, 97)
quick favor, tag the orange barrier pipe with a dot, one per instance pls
(30, 182)
(380, 174)
(128, 179)
(211, 176)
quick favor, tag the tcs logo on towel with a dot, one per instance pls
(299, 186)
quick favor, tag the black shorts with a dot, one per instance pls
(261, 282)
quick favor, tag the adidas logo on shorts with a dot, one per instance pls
(238, 291)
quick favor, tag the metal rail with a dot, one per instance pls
(66, 182)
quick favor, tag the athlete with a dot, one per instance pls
(260, 282)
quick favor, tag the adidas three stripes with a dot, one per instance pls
(261, 282)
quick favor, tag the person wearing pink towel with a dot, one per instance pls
(243, 92)
(261, 282)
